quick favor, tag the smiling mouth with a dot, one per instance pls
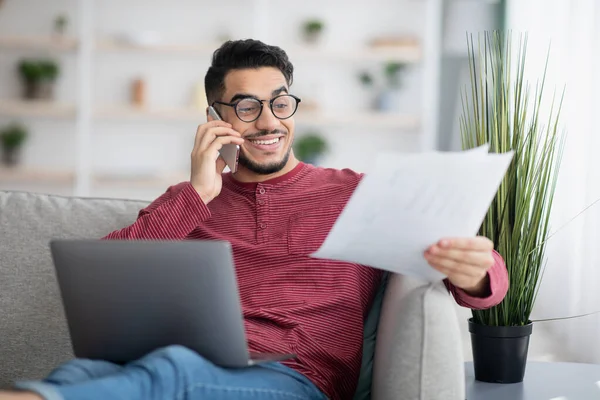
(264, 142)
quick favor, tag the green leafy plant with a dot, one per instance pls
(313, 26)
(49, 70)
(13, 136)
(393, 71)
(502, 110)
(309, 146)
(34, 71)
(366, 78)
(60, 23)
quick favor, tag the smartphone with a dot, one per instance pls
(229, 152)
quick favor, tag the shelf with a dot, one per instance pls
(139, 181)
(28, 175)
(127, 112)
(403, 54)
(41, 176)
(408, 53)
(131, 112)
(370, 119)
(51, 43)
(41, 109)
(108, 45)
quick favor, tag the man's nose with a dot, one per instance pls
(267, 121)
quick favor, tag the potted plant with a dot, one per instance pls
(38, 77)
(368, 83)
(312, 30)
(366, 78)
(60, 24)
(12, 136)
(389, 98)
(501, 110)
(310, 147)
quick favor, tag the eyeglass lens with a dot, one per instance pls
(249, 109)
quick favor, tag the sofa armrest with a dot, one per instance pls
(418, 353)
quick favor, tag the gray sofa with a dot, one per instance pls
(412, 341)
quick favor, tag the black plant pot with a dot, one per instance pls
(499, 352)
(10, 157)
(38, 90)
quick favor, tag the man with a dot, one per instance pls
(275, 211)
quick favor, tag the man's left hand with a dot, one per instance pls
(465, 261)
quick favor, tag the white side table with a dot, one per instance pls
(543, 381)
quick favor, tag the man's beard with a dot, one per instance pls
(265, 169)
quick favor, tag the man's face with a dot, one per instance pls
(267, 140)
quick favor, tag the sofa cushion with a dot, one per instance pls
(418, 353)
(33, 330)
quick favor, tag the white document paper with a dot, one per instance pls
(411, 201)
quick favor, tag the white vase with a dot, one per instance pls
(389, 100)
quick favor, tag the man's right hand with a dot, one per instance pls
(207, 164)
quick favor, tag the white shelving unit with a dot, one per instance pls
(87, 47)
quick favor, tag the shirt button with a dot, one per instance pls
(261, 202)
(262, 225)
(261, 191)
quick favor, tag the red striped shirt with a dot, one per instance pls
(291, 302)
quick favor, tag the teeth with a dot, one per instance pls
(272, 141)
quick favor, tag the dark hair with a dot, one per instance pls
(242, 54)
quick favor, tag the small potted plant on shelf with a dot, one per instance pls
(60, 24)
(310, 147)
(389, 98)
(312, 30)
(38, 78)
(12, 137)
(368, 83)
(501, 110)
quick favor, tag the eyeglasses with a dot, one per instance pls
(250, 109)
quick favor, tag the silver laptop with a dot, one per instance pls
(124, 299)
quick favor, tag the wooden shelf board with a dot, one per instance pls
(43, 176)
(29, 175)
(372, 119)
(139, 181)
(409, 53)
(52, 43)
(349, 118)
(107, 45)
(359, 119)
(405, 54)
(22, 108)
(133, 112)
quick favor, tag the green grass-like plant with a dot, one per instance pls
(502, 110)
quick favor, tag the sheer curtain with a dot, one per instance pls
(571, 281)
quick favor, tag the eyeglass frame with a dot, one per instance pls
(234, 105)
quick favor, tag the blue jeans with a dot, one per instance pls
(173, 372)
